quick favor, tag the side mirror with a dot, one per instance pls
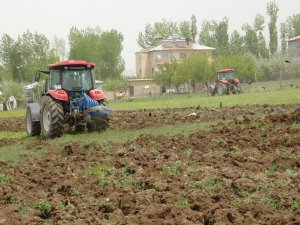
(37, 77)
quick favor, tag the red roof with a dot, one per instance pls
(225, 70)
(72, 63)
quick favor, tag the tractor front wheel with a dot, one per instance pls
(33, 128)
(52, 118)
(221, 90)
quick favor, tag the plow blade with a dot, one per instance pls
(100, 112)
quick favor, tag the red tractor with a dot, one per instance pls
(70, 97)
(226, 83)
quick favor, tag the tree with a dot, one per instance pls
(215, 34)
(166, 72)
(283, 37)
(245, 66)
(222, 35)
(272, 11)
(59, 47)
(115, 85)
(11, 88)
(148, 38)
(289, 29)
(293, 25)
(195, 68)
(4, 74)
(207, 33)
(251, 40)
(102, 48)
(162, 30)
(21, 58)
(185, 30)
(236, 43)
(259, 27)
(194, 30)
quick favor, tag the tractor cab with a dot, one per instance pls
(225, 75)
(69, 79)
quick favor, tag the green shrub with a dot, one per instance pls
(296, 204)
(4, 178)
(45, 208)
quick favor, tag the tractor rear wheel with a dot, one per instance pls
(33, 128)
(52, 118)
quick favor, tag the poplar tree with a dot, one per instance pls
(272, 11)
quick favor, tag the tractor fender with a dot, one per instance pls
(223, 81)
(236, 81)
(35, 109)
(96, 94)
(60, 95)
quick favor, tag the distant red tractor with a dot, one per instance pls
(226, 83)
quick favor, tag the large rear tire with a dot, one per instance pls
(52, 118)
(33, 128)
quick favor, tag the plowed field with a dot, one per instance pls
(243, 168)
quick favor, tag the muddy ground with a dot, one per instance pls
(244, 169)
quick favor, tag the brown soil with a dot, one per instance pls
(245, 170)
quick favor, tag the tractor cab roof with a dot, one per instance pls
(225, 70)
(72, 63)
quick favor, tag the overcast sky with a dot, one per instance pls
(129, 17)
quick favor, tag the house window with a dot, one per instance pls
(182, 56)
(167, 56)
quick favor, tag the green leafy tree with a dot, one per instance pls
(272, 11)
(293, 25)
(245, 66)
(102, 48)
(236, 43)
(148, 38)
(195, 68)
(194, 30)
(185, 30)
(59, 47)
(22, 57)
(251, 41)
(222, 35)
(11, 88)
(166, 72)
(117, 85)
(207, 33)
(4, 74)
(153, 34)
(259, 27)
(160, 30)
(283, 37)
(215, 34)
